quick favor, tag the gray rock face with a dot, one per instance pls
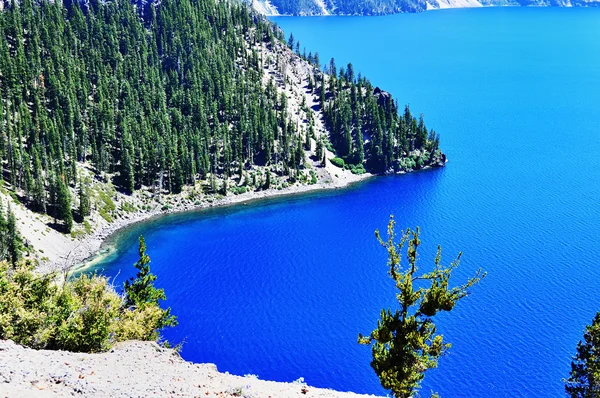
(383, 7)
(340, 7)
(383, 97)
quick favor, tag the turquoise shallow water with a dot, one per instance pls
(281, 288)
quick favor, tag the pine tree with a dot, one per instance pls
(319, 149)
(584, 380)
(84, 198)
(4, 236)
(267, 184)
(127, 175)
(224, 187)
(405, 344)
(140, 291)
(13, 242)
(64, 206)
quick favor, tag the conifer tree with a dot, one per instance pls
(126, 169)
(64, 206)
(13, 238)
(4, 236)
(159, 102)
(405, 343)
(584, 380)
(267, 184)
(140, 291)
(84, 198)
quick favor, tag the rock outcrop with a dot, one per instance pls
(382, 7)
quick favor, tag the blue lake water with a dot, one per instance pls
(281, 288)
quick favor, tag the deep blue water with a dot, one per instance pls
(281, 288)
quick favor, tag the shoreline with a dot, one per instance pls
(86, 249)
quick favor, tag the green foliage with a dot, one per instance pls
(128, 207)
(339, 162)
(358, 169)
(238, 190)
(313, 178)
(11, 243)
(141, 293)
(162, 93)
(584, 380)
(106, 206)
(64, 206)
(405, 343)
(11, 239)
(84, 314)
(87, 227)
(106, 216)
(84, 199)
(78, 233)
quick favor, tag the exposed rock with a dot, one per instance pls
(383, 97)
(131, 369)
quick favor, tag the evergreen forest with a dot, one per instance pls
(167, 94)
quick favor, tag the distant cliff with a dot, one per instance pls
(438, 4)
(337, 7)
(383, 7)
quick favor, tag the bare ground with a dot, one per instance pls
(132, 369)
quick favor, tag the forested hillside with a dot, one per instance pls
(172, 94)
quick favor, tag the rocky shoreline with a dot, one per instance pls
(89, 246)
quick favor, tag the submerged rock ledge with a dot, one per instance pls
(132, 369)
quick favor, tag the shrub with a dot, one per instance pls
(238, 190)
(329, 146)
(339, 162)
(84, 314)
(105, 215)
(106, 206)
(88, 311)
(358, 169)
(128, 207)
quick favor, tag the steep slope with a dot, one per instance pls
(112, 111)
(337, 7)
(433, 4)
(383, 7)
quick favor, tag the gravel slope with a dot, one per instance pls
(130, 369)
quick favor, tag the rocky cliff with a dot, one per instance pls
(383, 7)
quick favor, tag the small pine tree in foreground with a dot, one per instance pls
(140, 291)
(405, 343)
